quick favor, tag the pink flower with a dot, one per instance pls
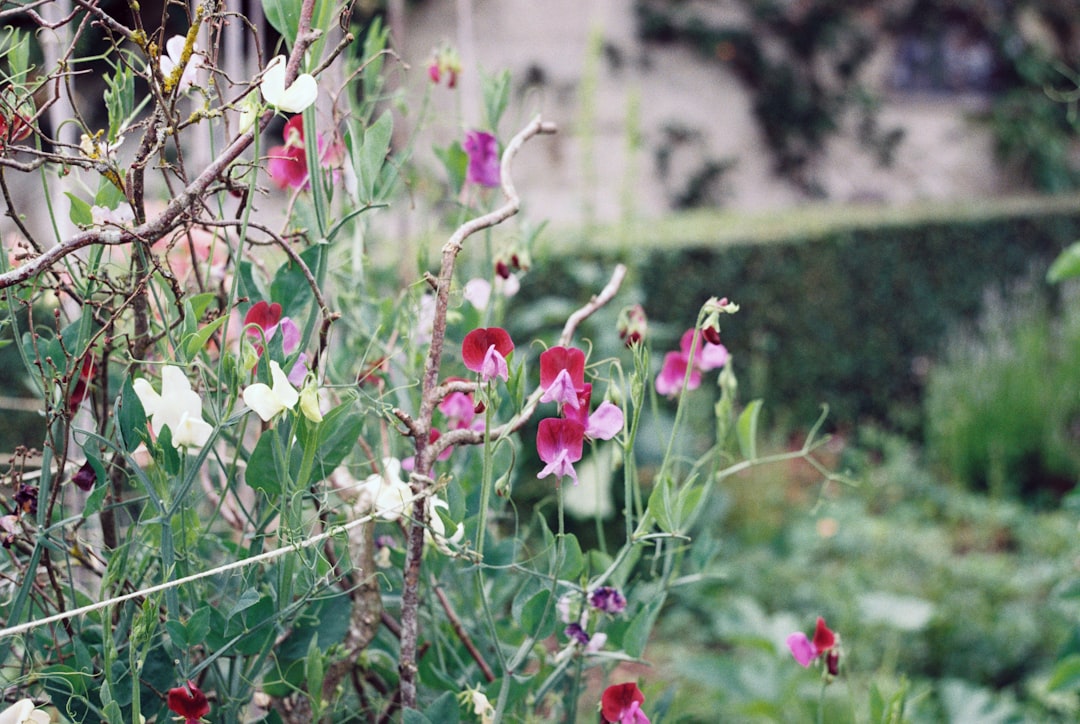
(707, 356)
(621, 704)
(559, 442)
(805, 649)
(603, 424)
(189, 702)
(446, 62)
(483, 151)
(562, 375)
(484, 350)
(267, 317)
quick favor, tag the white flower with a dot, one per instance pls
(386, 495)
(120, 216)
(268, 401)
(478, 293)
(296, 97)
(24, 712)
(178, 407)
(436, 532)
(249, 113)
(175, 49)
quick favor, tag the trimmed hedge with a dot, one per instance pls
(848, 317)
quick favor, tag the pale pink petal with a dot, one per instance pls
(605, 423)
(801, 648)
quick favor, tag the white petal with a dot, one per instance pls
(148, 396)
(261, 398)
(283, 389)
(296, 97)
(175, 48)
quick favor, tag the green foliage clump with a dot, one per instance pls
(1001, 410)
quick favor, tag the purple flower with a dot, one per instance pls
(608, 600)
(707, 356)
(577, 633)
(483, 152)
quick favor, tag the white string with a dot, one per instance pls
(267, 556)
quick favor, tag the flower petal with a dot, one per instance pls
(801, 648)
(605, 423)
(294, 99)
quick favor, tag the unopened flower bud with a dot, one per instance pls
(711, 334)
(632, 325)
(502, 269)
(480, 407)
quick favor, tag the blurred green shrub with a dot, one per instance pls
(1002, 410)
(849, 316)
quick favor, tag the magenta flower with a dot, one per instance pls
(603, 424)
(824, 642)
(562, 375)
(484, 350)
(621, 704)
(483, 152)
(559, 442)
(267, 317)
(707, 356)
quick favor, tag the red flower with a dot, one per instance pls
(824, 643)
(562, 375)
(621, 704)
(484, 350)
(189, 702)
(263, 315)
(559, 442)
(288, 164)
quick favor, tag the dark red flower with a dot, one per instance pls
(824, 639)
(86, 477)
(263, 315)
(622, 703)
(189, 702)
(484, 350)
(82, 385)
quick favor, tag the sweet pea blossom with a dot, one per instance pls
(24, 712)
(267, 317)
(385, 494)
(483, 152)
(824, 642)
(188, 702)
(603, 424)
(562, 375)
(707, 356)
(484, 350)
(178, 407)
(621, 704)
(299, 95)
(174, 55)
(444, 63)
(559, 442)
(287, 164)
(608, 600)
(266, 400)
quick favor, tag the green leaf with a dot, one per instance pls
(456, 162)
(496, 91)
(130, 417)
(573, 562)
(313, 672)
(284, 15)
(412, 716)
(291, 287)
(536, 616)
(1066, 266)
(94, 500)
(247, 599)
(119, 99)
(637, 634)
(373, 155)
(746, 429)
(177, 633)
(1066, 674)
(338, 433)
(80, 213)
(262, 470)
(444, 710)
(199, 625)
(193, 343)
(660, 504)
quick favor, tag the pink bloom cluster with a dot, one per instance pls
(559, 440)
(707, 356)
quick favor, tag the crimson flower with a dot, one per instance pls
(559, 442)
(267, 317)
(189, 702)
(85, 477)
(824, 642)
(621, 704)
(263, 315)
(484, 350)
(562, 375)
(483, 152)
(707, 356)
